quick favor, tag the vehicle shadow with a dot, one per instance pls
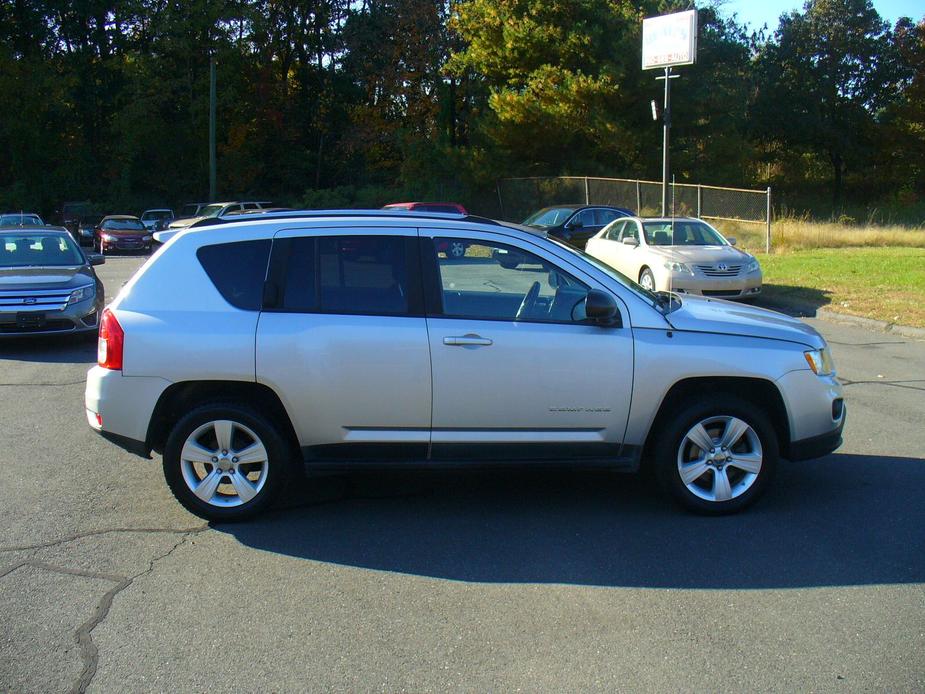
(841, 520)
(51, 349)
(802, 301)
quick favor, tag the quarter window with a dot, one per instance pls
(237, 270)
(499, 282)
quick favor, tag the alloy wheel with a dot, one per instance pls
(224, 463)
(719, 458)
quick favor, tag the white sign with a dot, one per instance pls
(669, 40)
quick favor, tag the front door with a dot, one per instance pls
(518, 373)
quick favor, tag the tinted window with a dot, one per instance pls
(499, 282)
(586, 217)
(300, 290)
(346, 274)
(237, 270)
(363, 274)
(605, 216)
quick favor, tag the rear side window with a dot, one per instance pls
(366, 275)
(237, 270)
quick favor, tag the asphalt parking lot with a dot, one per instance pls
(460, 581)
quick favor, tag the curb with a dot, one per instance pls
(826, 314)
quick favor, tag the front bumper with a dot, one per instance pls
(738, 287)
(126, 245)
(816, 412)
(80, 318)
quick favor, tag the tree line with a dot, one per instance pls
(331, 103)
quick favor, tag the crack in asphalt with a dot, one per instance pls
(896, 384)
(89, 653)
(66, 383)
(105, 531)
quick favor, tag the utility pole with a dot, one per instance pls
(666, 134)
(212, 192)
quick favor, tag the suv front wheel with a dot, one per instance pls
(225, 462)
(717, 454)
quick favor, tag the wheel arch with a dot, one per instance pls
(180, 398)
(759, 391)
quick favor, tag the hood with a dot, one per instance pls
(184, 223)
(45, 277)
(698, 314)
(702, 254)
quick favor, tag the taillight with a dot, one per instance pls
(112, 338)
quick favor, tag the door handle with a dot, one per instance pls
(467, 341)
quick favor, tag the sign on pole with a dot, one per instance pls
(669, 40)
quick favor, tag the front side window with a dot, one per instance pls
(586, 217)
(499, 282)
(630, 231)
(613, 233)
(365, 275)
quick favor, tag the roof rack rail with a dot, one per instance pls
(299, 214)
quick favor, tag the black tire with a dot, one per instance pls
(646, 272)
(279, 460)
(671, 436)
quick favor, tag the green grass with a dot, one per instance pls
(886, 283)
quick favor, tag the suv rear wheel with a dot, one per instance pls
(717, 454)
(225, 462)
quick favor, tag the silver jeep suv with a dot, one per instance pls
(250, 350)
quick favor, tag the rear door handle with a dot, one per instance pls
(467, 340)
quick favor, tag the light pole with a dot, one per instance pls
(212, 192)
(666, 135)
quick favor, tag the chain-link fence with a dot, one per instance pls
(519, 197)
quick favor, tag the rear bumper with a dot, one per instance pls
(120, 407)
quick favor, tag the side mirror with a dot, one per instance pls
(630, 241)
(731, 240)
(96, 259)
(601, 309)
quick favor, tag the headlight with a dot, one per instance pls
(678, 267)
(820, 361)
(82, 294)
(146, 238)
(107, 237)
(752, 266)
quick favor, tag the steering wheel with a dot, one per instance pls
(526, 306)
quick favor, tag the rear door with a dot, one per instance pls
(343, 340)
(518, 373)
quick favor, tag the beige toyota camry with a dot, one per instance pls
(682, 255)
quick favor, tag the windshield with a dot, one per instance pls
(211, 210)
(36, 249)
(16, 220)
(156, 214)
(189, 210)
(549, 217)
(123, 225)
(684, 233)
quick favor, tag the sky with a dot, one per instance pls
(758, 12)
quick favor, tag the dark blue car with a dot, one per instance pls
(575, 224)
